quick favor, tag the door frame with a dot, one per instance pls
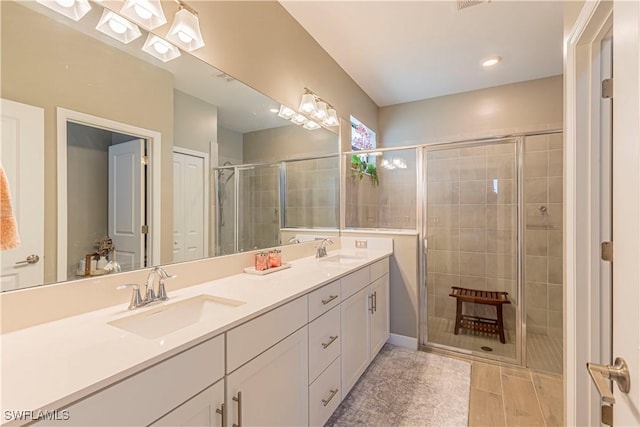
(154, 145)
(207, 218)
(584, 314)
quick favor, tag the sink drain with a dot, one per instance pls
(485, 348)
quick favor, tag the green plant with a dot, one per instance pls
(373, 173)
(362, 168)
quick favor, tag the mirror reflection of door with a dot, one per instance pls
(190, 205)
(106, 194)
(22, 156)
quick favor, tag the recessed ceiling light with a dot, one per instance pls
(491, 61)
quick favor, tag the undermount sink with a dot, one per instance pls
(342, 259)
(165, 319)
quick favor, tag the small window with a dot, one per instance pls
(362, 138)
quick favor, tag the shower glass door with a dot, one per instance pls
(471, 237)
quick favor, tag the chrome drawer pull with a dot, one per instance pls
(328, 300)
(332, 339)
(326, 401)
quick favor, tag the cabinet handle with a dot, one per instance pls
(326, 401)
(328, 300)
(375, 301)
(331, 340)
(371, 303)
(220, 411)
(239, 400)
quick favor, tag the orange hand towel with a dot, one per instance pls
(9, 237)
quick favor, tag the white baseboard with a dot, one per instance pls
(403, 341)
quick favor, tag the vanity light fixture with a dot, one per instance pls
(318, 109)
(185, 29)
(73, 9)
(311, 125)
(146, 13)
(286, 112)
(161, 49)
(491, 61)
(117, 27)
(299, 119)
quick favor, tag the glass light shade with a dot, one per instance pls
(115, 26)
(321, 111)
(73, 9)
(185, 31)
(286, 112)
(308, 104)
(332, 118)
(311, 125)
(161, 49)
(299, 119)
(146, 13)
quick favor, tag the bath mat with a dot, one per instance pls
(405, 387)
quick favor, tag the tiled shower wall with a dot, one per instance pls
(543, 239)
(259, 210)
(471, 228)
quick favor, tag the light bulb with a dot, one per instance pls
(490, 62)
(66, 3)
(186, 38)
(142, 11)
(117, 27)
(160, 47)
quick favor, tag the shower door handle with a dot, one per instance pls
(426, 245)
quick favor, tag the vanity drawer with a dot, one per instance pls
(353, 282)
(148, 395)
(324, 299)
(324, 395)
(324, 342)
(252, 338)
(379, 269)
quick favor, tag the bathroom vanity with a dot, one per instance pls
(280, 349)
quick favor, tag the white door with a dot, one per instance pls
(626, 205)
(190, 211)
(22, 156)
(199, 411)
(380, 315)
(355, 338)
(126, 203)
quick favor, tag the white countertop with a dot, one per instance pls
(52, 365)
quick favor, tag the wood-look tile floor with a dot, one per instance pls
(502, 396)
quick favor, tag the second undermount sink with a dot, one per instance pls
(165, 319)
(342, 259)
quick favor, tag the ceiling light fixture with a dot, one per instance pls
(146, 13)
(286, 112)
(491, 61)
(274, 110)
(311, 125)
(73, 9)
(299, 119)
(317, 108)
(185, 29)
(161, 49)
(115, 26)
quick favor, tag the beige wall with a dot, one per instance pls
(229, 146)
(54, 66)
(531, 105)
(287, 142)
(195, 122)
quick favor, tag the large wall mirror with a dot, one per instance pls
(144, 162)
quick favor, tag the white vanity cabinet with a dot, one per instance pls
(203, 410)
(272, 389)
(150, 394)
(365, 319)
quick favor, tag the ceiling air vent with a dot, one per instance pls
(463, 4)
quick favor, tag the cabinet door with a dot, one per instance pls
(273, 388)
(380, 316)
(198, 411)
(355, 338)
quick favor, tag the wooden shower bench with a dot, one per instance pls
(476, 323)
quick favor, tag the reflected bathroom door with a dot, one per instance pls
(471, 236)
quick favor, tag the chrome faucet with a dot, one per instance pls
(321, 251)
(150, 295)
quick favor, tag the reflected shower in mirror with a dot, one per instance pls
(192, 117)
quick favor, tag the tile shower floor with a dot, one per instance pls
(544, 353)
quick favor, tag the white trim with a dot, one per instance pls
(403, 341)
(582, 316)
(155, 143)
(205, 156)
